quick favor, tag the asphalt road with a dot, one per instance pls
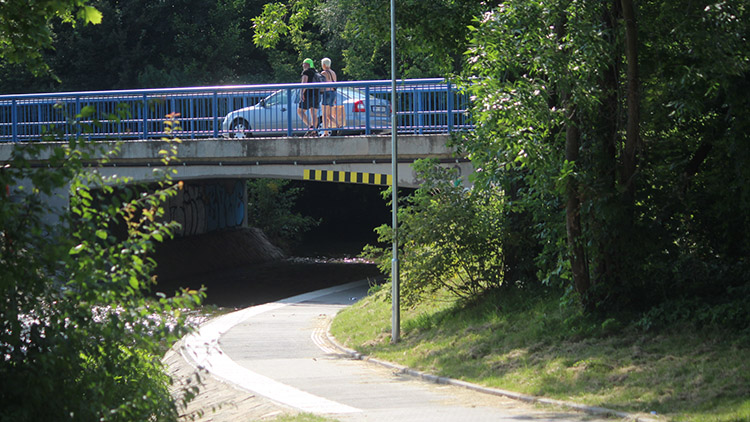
(280, 354)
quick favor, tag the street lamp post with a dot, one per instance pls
(395, 293)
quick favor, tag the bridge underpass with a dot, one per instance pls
(214, 168)
(352, 158)
(215, 171)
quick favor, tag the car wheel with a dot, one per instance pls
(240, 129)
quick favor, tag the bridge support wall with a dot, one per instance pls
(203, 206)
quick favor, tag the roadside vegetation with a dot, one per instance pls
(525, 341)
(81, 335)
(303, 417)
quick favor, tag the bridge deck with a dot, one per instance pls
(280, 157)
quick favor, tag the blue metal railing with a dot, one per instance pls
(423, 106)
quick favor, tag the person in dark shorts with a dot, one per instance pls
(308, 107)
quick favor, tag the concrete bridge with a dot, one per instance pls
(285, 158)
(215, 158)
(215, 170)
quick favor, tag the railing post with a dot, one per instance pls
(144, 118)
(418, 109)
(289, 109)
(41, 116)
(195, 125)
(169, 107)
(14, 121)
(80, 121)
(215, 107)
(450, 107)
(367, 110)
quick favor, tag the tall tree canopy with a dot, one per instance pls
(146, 44)
(81, 336)
(25, 28)
(617, 127)
(430, 36)
(142, 44)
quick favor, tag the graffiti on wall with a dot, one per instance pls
(202, 207)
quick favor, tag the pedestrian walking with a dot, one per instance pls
(330, 120)
(310, 99)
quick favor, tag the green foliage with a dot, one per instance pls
(539, 68)
(288, 32)
(430, 36)
(80, 337)
(270, 205)
(519, 140)
(273, 24)
(25, 28)
(450, 237)
(147, 44)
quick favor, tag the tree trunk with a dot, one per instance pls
(633, 124)
(604, 263)
(576, 252)
(578, 264)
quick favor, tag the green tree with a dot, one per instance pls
(430, 36)
(450, 237)
(146, 44)
(270, 208)
(226, 29)
(611, 123)
(80, 337)
(25, 28)
(531, 120)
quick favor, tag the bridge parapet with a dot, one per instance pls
(422, 106)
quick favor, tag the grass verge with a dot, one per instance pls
(526, 342)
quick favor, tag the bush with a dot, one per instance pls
(80, 339)
(270, 204)
(449, 237)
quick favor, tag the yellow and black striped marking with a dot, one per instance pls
(348, 177)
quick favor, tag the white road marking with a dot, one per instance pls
(203, 348)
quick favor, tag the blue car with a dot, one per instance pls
(270, 117)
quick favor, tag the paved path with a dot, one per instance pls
(280, 353)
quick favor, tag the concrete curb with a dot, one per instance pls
(591, 410)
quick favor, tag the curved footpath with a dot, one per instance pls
(278, 358)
